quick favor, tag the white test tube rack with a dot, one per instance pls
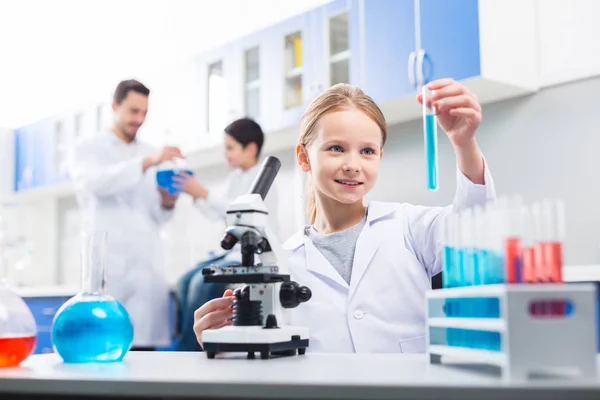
(563, 346)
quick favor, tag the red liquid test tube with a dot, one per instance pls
(553, 236)
(528, 269)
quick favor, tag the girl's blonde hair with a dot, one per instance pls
(338, 97)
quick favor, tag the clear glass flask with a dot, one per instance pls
(17, 326)
(92, 326)
(430, 136)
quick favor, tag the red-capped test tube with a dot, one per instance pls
(528, 245)
(512, 244)
(538, 236)
(553, 235)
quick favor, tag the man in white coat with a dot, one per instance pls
(115, 179)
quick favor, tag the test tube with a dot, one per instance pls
(496, 225)
(528, 247)
(465, 255)
(479, 339)
(450, 250)
(553, 234)
(538, 228)
(512, 242)
(479, 236)
(430, 136)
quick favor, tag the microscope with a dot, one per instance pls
(267, 294)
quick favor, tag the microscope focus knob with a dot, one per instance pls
(292, 294)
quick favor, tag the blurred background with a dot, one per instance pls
(534, 64)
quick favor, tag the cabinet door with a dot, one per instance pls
(287, 48)
(314, 60)
(221, 88)
(335, 44)
(45, 168)
(569, 48)
(389, 41)
(23, 160)
(450, 39)
(250, 66)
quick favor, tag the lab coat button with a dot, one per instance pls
(358, 314)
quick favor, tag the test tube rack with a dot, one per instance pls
(529, 345)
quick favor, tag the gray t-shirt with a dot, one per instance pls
(338, 247)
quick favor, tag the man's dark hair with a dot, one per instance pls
(130, 85)
(246, 131)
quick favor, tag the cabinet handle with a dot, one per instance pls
(411, 69)
(420, 77)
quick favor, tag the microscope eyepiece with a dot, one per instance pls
(266, 176)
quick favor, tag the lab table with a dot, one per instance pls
(176, 375)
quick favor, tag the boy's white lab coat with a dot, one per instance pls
(116, 196)
(383, 308)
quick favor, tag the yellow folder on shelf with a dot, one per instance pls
(297, 51)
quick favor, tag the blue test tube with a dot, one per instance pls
(430, 136)
(466, 259)
(449, 264)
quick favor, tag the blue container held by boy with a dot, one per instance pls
(167, 170)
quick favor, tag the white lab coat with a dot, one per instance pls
(239, 182)
(383, 308)
(116, 196)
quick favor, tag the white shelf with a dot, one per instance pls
(501, 289)
(581, 273)
(63, 189)
(483, 356)
(294, 73)
(253, 85)
(341, 56)
(483, 324)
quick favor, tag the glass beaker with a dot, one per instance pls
(92, 326)
(17, 325)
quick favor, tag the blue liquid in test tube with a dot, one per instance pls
(430, 136)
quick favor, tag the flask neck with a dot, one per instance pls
(93, 263)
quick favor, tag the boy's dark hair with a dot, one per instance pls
(246, 131)
(124, 87)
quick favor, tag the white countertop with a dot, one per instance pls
(324, 376)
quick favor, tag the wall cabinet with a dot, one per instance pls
(389, 48)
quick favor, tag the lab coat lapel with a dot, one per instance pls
(319, 265)
(366, 248)
(369, 240)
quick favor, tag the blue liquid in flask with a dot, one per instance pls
(93, 330)
(164, 179)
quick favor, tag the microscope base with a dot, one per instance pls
(282, 341)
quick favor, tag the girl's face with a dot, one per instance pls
(344, 156)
